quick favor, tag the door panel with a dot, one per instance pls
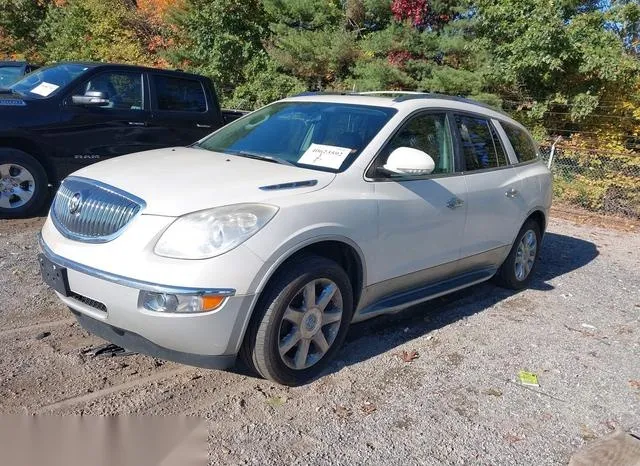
(419, 228)
(87, 135)
(181, 114)
(420, 219)
(495, 205)
(494, 191)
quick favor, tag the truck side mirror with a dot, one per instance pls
(91, 99)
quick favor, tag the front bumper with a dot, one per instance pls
(108, 306)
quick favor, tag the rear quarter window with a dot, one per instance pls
(522, 144)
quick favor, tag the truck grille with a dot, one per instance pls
(92, 212)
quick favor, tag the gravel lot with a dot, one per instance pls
(458, 402)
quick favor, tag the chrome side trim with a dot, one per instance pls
(129, 282)
(291, 185)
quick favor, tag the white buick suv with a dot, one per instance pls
(269, 237)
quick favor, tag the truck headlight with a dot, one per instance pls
(209, 233)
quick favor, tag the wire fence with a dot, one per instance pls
(595, 179)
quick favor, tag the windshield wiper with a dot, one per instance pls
(267, 158)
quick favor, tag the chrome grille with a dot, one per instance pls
(90, 211)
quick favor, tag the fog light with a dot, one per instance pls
(179, 303)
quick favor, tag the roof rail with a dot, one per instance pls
(403, 96)
(389, 93)
(309, 93)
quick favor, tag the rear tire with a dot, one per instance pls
(518, 268)
(300, 321)
(23, 184)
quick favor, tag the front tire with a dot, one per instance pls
(23, 184)
(300, 322)
(517, 270)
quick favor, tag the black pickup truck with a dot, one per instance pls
(68, 115)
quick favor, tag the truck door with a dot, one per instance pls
(181, 111)
(88, 133)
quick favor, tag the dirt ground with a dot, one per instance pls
(457, 402)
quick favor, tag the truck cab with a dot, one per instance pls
(69, 115)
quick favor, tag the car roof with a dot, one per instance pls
(97, 65)
(406, 100)
(12, 63)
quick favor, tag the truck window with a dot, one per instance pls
(123, 89)
(180, 95)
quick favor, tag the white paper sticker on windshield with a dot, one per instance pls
(44, 89)
(325, 156)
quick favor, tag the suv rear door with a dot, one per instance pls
(184, 108)
(495, 202)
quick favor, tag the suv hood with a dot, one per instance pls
(177, 181)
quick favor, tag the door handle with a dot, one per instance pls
(512, 193)
(137, 123)
(200, 125)
(454, 203)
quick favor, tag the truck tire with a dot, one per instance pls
(23, 184)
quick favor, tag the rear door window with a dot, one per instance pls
(481, 147)
(522, 144)
(179, 94)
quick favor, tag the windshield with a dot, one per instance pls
(319, 135)
(46, 81)
(9, 75)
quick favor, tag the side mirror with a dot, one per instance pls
(91, 99)
(408, 161)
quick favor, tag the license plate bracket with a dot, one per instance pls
(54, 275)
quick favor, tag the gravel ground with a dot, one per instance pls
(458, 402)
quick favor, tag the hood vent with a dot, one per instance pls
(291, 185)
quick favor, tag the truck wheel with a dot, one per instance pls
(300, 322)
(517, 269)
(23, 184)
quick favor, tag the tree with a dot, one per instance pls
(218, 38)
(19, 22)
(100, 30)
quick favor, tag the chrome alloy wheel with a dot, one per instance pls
(526, 255)
(16, 186)
(310, 324)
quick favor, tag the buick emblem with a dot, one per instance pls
(75, 203)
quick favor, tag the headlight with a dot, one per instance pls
(209, 233)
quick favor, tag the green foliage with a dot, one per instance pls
(99, 30)
(265, 85)
(218, 38)
(19, 21)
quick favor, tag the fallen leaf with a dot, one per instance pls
(342, 411)
(528, 378)
(512, 438)
(586, 433)
(276, 401)
(408, 356)
(368, 408)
